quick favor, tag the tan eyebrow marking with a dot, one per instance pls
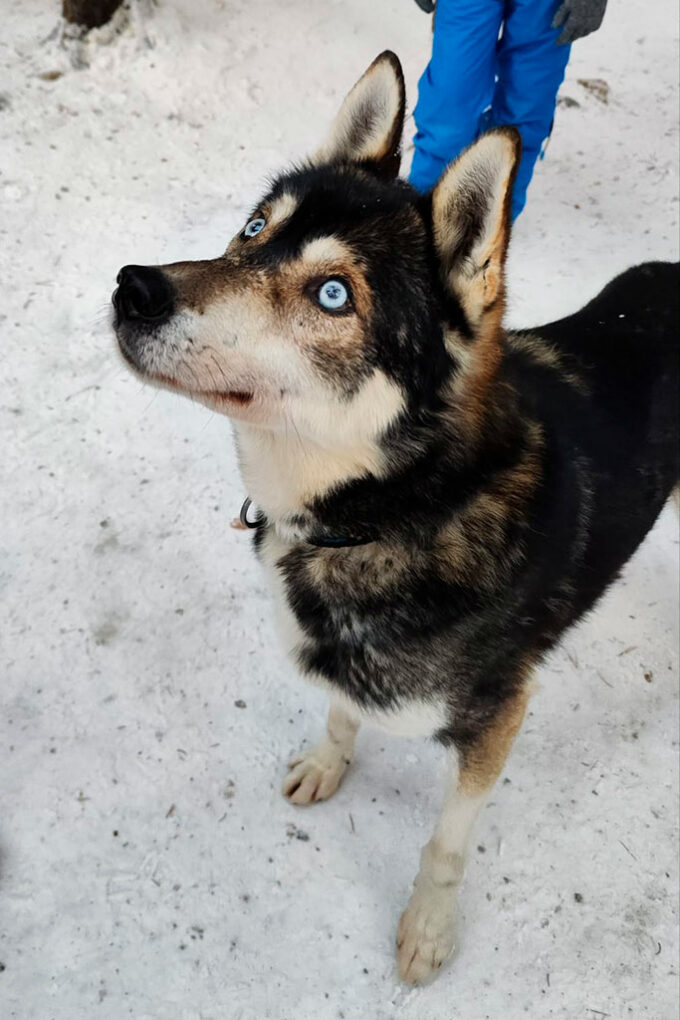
(327, 250)
(280, 209)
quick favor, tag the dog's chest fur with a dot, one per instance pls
(338, 644)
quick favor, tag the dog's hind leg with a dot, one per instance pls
(427, 930)
(316, 775)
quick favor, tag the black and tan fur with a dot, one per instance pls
(496, 482)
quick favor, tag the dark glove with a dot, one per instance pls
(426, 5)
(579, 18)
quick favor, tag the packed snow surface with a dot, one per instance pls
(149, 866)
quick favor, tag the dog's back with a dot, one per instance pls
(604, 383)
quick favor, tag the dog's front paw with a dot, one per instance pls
(314, 777)
(426, 936)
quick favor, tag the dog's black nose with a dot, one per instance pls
(144, 293)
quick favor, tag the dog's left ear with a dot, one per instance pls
(471, 220)
(369, 125)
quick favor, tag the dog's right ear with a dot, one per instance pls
(369, 125)
(471, 220)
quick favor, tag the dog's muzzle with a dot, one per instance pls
(144, 296)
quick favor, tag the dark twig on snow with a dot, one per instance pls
(90, 13)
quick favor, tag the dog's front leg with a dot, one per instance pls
(427, 929)
(316, 774)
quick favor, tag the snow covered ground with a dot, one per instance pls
(148, 865)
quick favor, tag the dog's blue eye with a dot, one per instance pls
(332, 295)
(254, 226)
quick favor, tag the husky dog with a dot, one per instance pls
(437, 499)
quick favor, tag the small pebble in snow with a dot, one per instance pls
(240, 703)
(578, 897)
(2, 967)
(481, 849)
(293, 832)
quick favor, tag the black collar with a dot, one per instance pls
(321, 541)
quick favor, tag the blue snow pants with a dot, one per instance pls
(481, 77)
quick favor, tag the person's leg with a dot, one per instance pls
(456, 86)
(530, 69)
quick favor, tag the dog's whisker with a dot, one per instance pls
(221, 371)
(148, 406)
(289, 418)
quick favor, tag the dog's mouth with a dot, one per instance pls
(241, 397)
(224, 398)
(220, 397)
